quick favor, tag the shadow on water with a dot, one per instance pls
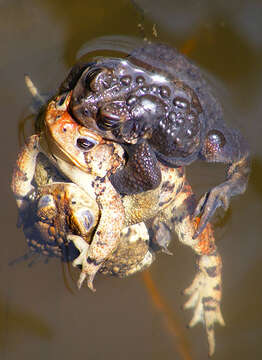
(17, 323)
(256, 175)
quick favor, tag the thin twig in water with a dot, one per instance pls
(173, 325)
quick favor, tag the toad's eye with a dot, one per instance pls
(86, 143)
(108, 121)
(61, 102)
(89, 77)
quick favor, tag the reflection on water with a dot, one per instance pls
(17, 323)
(40, 317)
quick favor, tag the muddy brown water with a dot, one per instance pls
(42, 315)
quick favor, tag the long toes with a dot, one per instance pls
(209, 210)
(81, 279)
(90, 278)
(200, 205)
(90, 282)
(205, 296)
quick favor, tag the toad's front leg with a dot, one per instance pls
(107, 235)
(228, 146)
(206, 290)
(141, 173)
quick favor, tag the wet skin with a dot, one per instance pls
(158, 105)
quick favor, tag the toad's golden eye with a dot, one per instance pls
(86, 143)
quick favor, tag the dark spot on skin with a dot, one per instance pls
(164, 202)
(211, 271)
(180, 218)
(167, 186)
(92, 261)
(207, 299)
(156, 227)
(24, 177)
(173, 219)
(179, 188)
(128, 232)
(101, 243)
(217, 287)
(209, 308)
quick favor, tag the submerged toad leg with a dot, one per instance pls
(205, 291)
(141, 172)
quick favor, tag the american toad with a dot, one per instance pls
(77, 153)
(57, 214)
(159, 106)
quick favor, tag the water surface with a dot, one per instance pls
(39, 316)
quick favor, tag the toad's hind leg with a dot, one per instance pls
(205, 291)
(141, 172)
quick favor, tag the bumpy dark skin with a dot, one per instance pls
(159, 106)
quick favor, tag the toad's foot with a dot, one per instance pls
(89, 270)
(219, 196)
(205, 296)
